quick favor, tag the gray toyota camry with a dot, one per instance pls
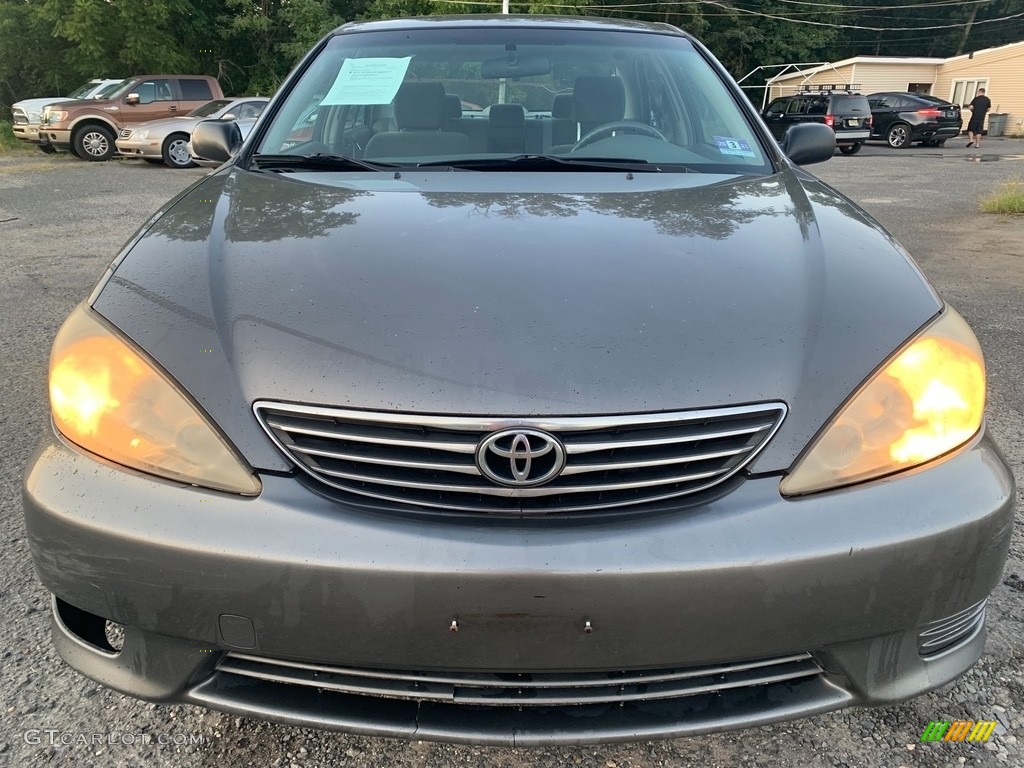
(511, 385)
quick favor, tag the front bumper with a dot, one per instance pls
(58, 138)
(26, 132)
(204, 582)
(138, 148)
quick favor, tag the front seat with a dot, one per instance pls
(420, 112)
(597, 100)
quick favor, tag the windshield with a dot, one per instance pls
(109, 90)
(452, 95)
(209, 108)
(82, 91)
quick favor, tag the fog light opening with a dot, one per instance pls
(99, 632)
(114, 633)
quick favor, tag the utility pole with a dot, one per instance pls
(504, 7)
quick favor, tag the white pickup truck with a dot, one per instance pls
(27, 112)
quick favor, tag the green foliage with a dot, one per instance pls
(1009, 199)
(306, 21)
(8, 143)
(48, 47)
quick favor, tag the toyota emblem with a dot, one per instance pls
(520, 457)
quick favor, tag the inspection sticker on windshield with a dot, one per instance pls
(368, 81)
(730, 146)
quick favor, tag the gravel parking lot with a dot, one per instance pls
(61, 222)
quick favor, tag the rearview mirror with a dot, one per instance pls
(216, 140)
(512, 66)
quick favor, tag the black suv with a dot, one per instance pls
(848, 114)
(903, 118)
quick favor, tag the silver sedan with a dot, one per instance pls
(570, 420)
(166, 140)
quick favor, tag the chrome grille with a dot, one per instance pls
(126, 133)
(545, 689)
(431, 461)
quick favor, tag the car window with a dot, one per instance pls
(209, 108)
(817, 106)
(650, 98)
(929, 99)
(247, 109)
(846, 103)
(195, 90)
(82, 91)
(777, 107)
(153, 90)
(796, 107)
(109, 90)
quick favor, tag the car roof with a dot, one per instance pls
(493, 20)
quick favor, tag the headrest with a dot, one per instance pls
(561, 106)
(507, 116)
(452, 106)
(597, 99)
(420, 106)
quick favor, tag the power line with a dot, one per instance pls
(940, 4)
(856, 26)
(731, 9)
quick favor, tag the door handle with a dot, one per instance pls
(172, 108)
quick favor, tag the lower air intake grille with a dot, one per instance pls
(945, 634)
(519, 465)
(548, 689)
(522, 709)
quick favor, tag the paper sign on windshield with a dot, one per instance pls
(368, 81)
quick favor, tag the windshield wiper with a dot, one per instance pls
(318, 162)
(548, 163)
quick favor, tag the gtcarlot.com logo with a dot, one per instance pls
(53, 737)
(959, 730)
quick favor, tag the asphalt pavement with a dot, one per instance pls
(63, 220)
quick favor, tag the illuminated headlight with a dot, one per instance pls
(928, 399)
(113, 401)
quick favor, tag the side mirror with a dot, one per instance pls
(228, 116)
(216, 140)
(131, 98)
(806, 143)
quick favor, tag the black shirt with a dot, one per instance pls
(979, 107)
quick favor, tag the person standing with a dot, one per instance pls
(979, 108)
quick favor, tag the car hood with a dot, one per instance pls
(35, 106)
(560, 294)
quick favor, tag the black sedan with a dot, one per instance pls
(904, 118)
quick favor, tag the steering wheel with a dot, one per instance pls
(619, 126)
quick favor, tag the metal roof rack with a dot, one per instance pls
(830, 88)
